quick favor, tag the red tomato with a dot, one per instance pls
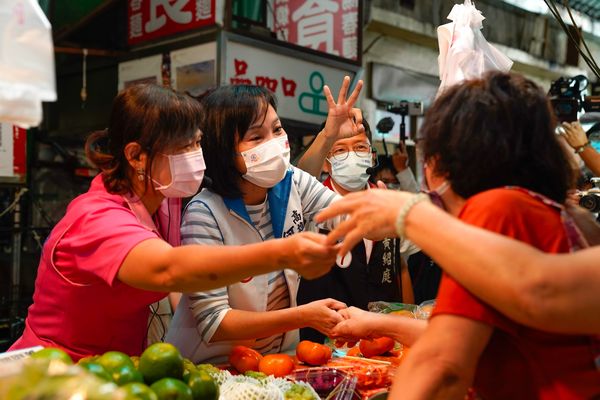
(313, 353)
(376, 347)
(278, 365)
(244, 359)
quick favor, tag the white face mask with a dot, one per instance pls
(351, 173)
(187, 172)
(267, 164)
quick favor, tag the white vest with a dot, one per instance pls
(237, 229)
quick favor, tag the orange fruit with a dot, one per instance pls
(161, 360)
(53, 353)
(114, 360)
(139, 391)
(171, 389)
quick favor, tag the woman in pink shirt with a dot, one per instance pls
(116, 250)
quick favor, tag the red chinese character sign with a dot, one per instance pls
(330, 26)
(297, 83)
(150, 19)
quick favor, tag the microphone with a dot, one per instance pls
(371, 170)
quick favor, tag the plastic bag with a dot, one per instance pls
(27, 74)
(464, 52)
(53, 379)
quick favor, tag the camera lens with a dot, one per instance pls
(590, 202)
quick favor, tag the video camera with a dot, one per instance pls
(402, 108)
(568, 98)
(590, 199)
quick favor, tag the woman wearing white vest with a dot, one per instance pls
(255, 196)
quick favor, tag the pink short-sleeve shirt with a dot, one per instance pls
(79, 304)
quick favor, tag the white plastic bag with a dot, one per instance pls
(27, 74)
(464, 52)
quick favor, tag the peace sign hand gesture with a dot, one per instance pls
(343, 121)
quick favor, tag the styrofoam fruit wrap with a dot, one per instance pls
(241, 387)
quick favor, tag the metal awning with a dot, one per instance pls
(589, 7)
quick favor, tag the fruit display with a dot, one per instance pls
(312, 353)
(244, 359)
(376, 347)
(161, 373)
(278, 365)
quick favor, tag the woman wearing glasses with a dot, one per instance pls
(255, 196)
(372, 270)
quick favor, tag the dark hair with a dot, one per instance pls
(157, 118)
(230, 111)
(496, 131)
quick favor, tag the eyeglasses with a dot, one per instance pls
(362, 150)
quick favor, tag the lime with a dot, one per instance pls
(135, 360)
(96, 369)
(188, 367)
(113, 360)
(126, 374)
(161, 360)
(52, 353)
(139, 391)
(203, 386)
(87, 359)
(171, 389)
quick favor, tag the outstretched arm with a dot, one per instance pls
(577, 139)
(551, 292)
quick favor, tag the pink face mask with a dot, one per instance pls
(187, 172)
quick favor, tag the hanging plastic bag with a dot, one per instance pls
(27, 74)
(464, 52)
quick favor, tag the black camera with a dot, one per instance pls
(590, 199)
(568, 98)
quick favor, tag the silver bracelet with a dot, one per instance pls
(403, 213)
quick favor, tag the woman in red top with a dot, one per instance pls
(480, 137)
(116, 250)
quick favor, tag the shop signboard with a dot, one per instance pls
(330, 26)
(151, 19)
(296, 79)
(13, 152)
(193, 69)
(141, 70)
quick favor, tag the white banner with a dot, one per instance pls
(297, 83)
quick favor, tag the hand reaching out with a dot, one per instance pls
(322, 315)
(400, 158)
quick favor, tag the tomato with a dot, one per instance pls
(376, 347)
(313, 353)
(278, 365)
(244, 359)
(353, 351)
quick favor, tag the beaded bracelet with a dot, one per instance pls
(403, 213)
